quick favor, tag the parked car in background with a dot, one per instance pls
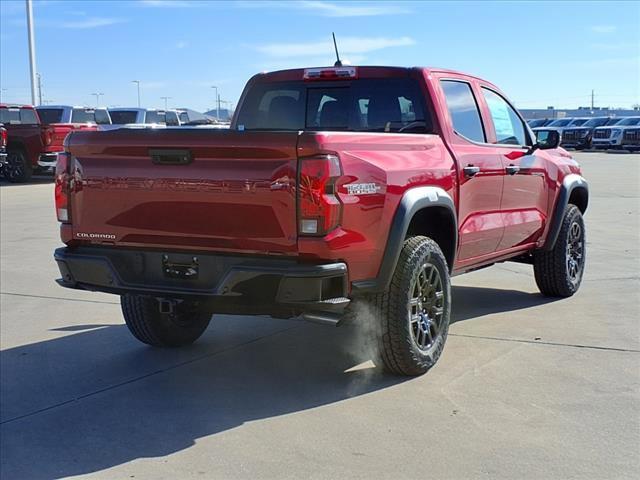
(59, 120)
(25, 141)
(539, 122)
(336, 190)
(610, 136)
(580, 137)
(560, 124)
(3, 146)
(136, 117)
(631, 139)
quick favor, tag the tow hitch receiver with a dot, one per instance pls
(183, 269)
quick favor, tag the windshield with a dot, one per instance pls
(629, 121)
(367, 105)
(613, 121)
(596, 122)
(120, 117)
(50, 115)
(578, 121)
(560, 123)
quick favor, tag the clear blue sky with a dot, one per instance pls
(539, 53)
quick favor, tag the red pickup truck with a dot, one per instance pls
(335, 191)
(59, 120)
(24, 139)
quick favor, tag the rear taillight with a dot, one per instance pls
(48, 136)
(63, 187)
(319, 208)
(3, 137)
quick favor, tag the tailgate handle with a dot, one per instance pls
(170, 157)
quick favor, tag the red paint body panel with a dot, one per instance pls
(55, 133)
(239, 192)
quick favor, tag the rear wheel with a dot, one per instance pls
(183, 326)
(413, 315)
(559, 271)
(18, 168)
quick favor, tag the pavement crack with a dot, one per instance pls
(58, 298)
(539, 342)
(146, 375)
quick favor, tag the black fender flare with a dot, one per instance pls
(413, 201)
(570, 183)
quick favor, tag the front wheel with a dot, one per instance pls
(559, 271)
(413, 315)
(181, 327)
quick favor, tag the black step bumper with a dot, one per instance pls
(234, 284)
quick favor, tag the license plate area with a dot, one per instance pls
(185, 268)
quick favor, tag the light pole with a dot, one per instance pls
(137, 82)
(165, 101)
(97, 95)
(217, 103)
(32, 51)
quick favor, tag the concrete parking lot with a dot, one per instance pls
(528, 387)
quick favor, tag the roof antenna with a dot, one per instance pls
(335, 45)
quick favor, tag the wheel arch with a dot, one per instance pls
(574, 190)
(428, 211)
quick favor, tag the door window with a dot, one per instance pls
(506, 122)
(463, 109)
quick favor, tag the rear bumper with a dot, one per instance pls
(48, 160)
(228, 284)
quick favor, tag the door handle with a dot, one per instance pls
(512, 169)
(470, 171)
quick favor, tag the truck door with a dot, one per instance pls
(480, 173)
(524, 195)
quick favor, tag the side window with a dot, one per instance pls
(28, 116)
(508, 126)
(463, 109)
(172, 119)
(102, 117)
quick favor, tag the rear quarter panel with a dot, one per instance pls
(395, 163)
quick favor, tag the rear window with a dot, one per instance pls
(83, 115)
(50, 115)
(120, 117)
(155, 117)
(9, 115)
(367, 105)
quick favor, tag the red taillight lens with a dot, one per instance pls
(62, 187)
(3, 137)
(48, 136)
(319, 209)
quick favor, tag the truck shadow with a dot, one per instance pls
(474, 302)
(94, 398)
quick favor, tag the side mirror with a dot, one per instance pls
(547, 139)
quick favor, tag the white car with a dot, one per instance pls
(610, 136)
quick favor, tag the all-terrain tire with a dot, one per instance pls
(18, 168)
(182, 327)
(559, 271)
(398, 332)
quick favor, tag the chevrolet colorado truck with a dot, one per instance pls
(337, 194)
(59, 120)
(25, 141)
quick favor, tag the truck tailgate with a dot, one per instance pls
(236, 192)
